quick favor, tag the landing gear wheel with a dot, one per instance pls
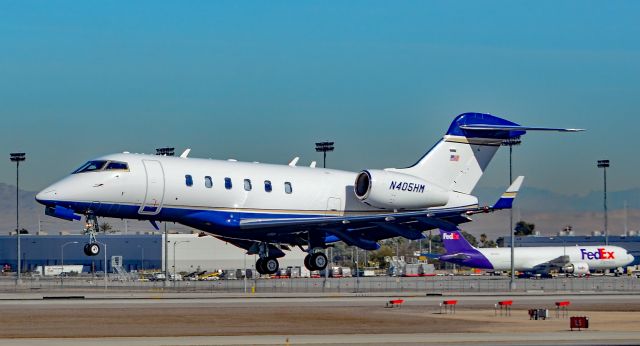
(91, 249)
(318, 261)
(307, 263)
(270, 265)
(260, 266)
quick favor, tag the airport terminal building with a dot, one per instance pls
(188, 252)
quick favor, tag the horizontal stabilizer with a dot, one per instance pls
(460, 256)
(488, 127)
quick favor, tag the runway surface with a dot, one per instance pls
(187, 319)
(551, 338)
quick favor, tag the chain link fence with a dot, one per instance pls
(426, 285)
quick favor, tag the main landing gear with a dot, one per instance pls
(91, 228)
(315, 261)
(266, 264)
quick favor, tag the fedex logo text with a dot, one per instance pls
(450, 236)
(600, 254)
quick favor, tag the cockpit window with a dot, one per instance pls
(91, 166)
(117, 165)
(99, 165)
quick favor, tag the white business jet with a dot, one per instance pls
(267, 208)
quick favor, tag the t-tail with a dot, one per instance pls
(458, 161)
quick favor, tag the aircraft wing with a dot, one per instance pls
(558, 262)
(429, 218)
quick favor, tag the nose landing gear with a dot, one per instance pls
(91, 249)
(91, 228)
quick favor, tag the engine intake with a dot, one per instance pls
(390, 190)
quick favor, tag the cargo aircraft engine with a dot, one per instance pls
(578, 268)
(391, 190)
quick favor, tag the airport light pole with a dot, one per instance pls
(323, 147)
(17, 158)
(604, 164)
(511, 142)
(62, 260)
(166, 151)
(175, 243)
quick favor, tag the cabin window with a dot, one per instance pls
(227, 183)
(247, 184)
(208, 183)
(267, 186)
(287, 187)
(188, 179)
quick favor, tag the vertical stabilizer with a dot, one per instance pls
(454, 242)
(458, 161)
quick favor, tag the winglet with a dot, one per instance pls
(506, 200)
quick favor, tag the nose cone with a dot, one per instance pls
(47, 196)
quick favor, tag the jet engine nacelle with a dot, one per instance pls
(578, 268)
(391, 190)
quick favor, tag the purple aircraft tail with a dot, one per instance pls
(459, 251)
(454, 242)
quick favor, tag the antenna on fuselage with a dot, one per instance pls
(294, 161)
(313, 164)
(185, 153)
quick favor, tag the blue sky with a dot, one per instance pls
(262, 81)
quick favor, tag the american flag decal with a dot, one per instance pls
(454, 157)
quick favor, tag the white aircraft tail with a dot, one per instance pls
(458, 161)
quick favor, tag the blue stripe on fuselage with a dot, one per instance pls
(195, 217)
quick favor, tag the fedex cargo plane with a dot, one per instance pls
(571, 259)
(266, 208)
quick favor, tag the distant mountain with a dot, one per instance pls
(532, 199)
